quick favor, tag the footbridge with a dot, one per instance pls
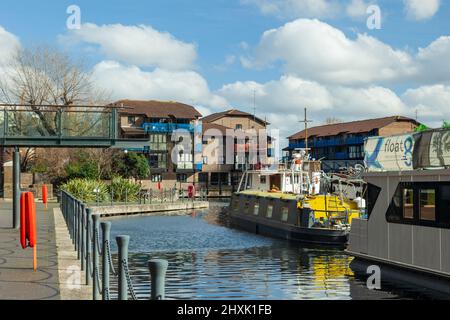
(54, 126)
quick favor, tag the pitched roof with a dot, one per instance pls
(207, 126)
(231, 113)
(158, 109)
(349, 127)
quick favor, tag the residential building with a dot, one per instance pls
(222, 171)
(342, 144)
(160, 122)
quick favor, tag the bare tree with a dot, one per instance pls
(40, 76)
(333, 120)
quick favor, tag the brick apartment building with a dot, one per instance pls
(342, 144)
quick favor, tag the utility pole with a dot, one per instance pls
(306, 121)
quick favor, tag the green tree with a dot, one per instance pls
(131, 165)
(83, 167)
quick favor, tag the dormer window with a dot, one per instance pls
(131, 121)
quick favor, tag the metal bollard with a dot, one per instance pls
(95, 288)
(83, 236)
(122, 244)
(88, 246)
(158, 270)
(106, 229)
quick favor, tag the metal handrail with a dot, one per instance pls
(83, 229)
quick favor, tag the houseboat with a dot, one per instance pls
(298, 202)
(407, 228)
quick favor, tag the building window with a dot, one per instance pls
(262, 180)
(256, 209)
(156, 177)
(238, 127)
(131, 120)
(158, 160)
(427, 204)
(158, 142)
(269, 211)
(408, 203)
(181, 177)
(284, 214)
(203, 177)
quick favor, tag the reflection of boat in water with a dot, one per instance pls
(298, 202)
(407, 229)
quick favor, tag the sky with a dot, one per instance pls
(340, 59)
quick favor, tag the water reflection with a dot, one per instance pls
(207, 260)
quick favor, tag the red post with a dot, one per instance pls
(28, 224)
(44, 195)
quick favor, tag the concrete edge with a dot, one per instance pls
(70, 277)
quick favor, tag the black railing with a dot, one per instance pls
(84, 232)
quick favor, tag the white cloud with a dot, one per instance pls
(421, 9)
(9, 44)
(289, 94)
(432, 63)
(130, 82)
(283, 100)
(315, 50)
(357, 9)
(295, 8)
(431, 102)
(138, 45)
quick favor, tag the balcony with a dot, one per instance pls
(166, 127)
(330, 142)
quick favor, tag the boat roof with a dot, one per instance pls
(275, 195)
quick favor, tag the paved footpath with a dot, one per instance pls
(56, 277)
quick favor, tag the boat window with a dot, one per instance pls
(256, 209)
(373, 192)
(269, 211)
(427, 204)
(408, 203)
(284, 214)
(444, 205)
(246, 206)
(236, 204)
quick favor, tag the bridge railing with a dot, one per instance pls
(84, 230)
(63, 126)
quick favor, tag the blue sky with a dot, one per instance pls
(221, 36)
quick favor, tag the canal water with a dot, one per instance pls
(209, 260)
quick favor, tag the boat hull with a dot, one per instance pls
(289, 232)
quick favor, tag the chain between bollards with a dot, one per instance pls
(95, 282)
(106, 229)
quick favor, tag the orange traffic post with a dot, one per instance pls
(28, 224)
(44, 195)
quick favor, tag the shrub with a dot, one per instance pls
(85, 169)
(122, 189)
(131, 165)
(87, 190)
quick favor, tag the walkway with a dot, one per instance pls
(56, 259)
